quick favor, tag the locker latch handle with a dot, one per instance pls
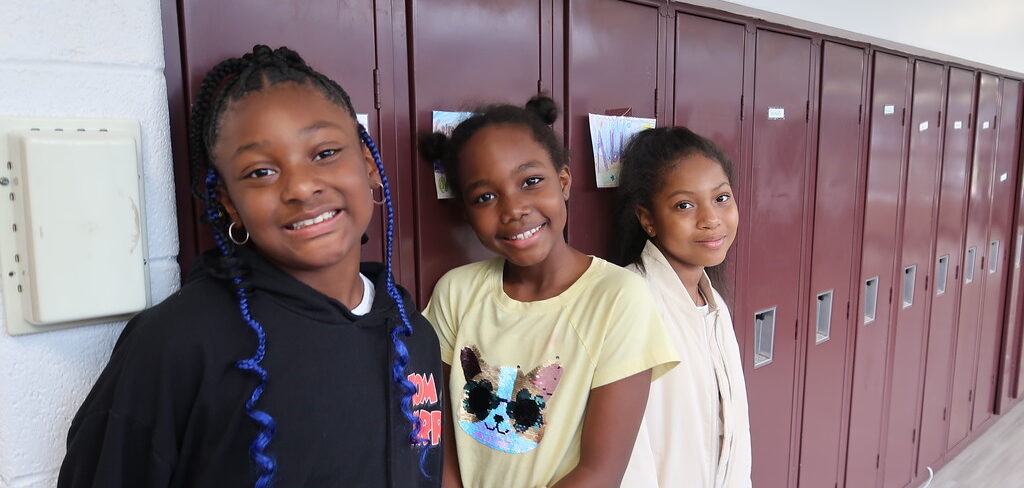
(870, 299)
(764, 337)
(823, 321)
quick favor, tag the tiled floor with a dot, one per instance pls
(995, 460)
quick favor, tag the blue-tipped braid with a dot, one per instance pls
(403, 329)
(265, 463)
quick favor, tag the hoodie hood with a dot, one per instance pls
(266, 279)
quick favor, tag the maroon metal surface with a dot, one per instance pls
(614, 62)
(881, 211)
(778, 181)
(956, 161)
(214, 31)
(911, 325)
(971, 294)
(840, 174)
(1004, 190)
(1009, 150)
(493, 56)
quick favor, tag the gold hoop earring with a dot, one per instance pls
(374, 200)
(231, 235)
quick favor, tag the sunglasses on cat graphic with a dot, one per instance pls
(524, 410)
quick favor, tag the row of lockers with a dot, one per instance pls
(876, 278)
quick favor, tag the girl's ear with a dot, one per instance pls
(643, 215)
(229, 206)
(565, 179)
(372, 174)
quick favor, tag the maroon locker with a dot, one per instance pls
(772, 272)
(975, 248)
(1004, 190)
(838, 197)
(504, 65)
(873, 313)
(911, 296)
(708, 95)
(1009, 150)
(614, 58)
(214, 31)
(956, 160)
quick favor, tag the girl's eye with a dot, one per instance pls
(325, 154)
(725, 197)
(533, 180)
(261, 173)
(486, 197)
(684, 205)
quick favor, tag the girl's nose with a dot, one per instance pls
(709, 220)
(300, 183)
(513, 210)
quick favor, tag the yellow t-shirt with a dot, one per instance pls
(522, 371)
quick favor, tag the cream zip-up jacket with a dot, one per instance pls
(678, 442)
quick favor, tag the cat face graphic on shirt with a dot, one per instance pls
(503, 407)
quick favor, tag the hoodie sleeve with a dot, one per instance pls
(106, 449)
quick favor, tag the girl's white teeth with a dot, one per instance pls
(526, 235)
(315, 220)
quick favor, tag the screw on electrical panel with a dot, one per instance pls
(4, 181)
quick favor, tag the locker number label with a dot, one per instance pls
(958, 125)
(1002, 177)
(984, 125)
(776, 113)
(923, 126)
(889, 109)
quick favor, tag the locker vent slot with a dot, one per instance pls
(764, 336)
(870, 299)
(969, 264)
(1016, 261)
(823, 324)
(993, 257)
(909, 277)
(941, 273)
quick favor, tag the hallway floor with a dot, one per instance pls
(994, 460)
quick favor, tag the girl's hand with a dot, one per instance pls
(614, 412)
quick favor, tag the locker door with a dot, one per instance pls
(834, 254)
(872, 315)
(1004, 189)
(214, 31)
(956, 160)
(914, 273)
(776, 220)
(708, 95)
(504, 65)
(614, 59)
(1010, 128)
(971, 294)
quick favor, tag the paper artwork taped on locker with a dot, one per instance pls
(609, 135)
(445, 123)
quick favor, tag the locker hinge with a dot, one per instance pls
(913, 436)
(938, 121)
(995, 120)
(847, 310)
(657, 106)
(926, 282)
(969, 115)
(376, 88)
(970, 395)
(890, 295)
(944, 414)
(956, 272)
(982, 262)
(878, 460)
(539, 85)
(741, 107)
(903, 116)
(807, 111)
(796, 328)
(860, 114)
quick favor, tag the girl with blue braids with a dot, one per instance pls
(283, 361)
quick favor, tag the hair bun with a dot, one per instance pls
(433, 146)
(290, 56)
(544, 108)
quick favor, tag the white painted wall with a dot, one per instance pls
(95, 58)
(990, 32)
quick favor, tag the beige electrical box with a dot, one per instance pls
(72, 230)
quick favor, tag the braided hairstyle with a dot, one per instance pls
(537, 115)
(229, 81)
(645, 160)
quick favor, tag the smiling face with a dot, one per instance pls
(296, 177)
(693, 216)
(513, 195)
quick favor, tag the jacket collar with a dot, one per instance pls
(656, 265)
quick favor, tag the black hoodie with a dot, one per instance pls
(169, 409)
